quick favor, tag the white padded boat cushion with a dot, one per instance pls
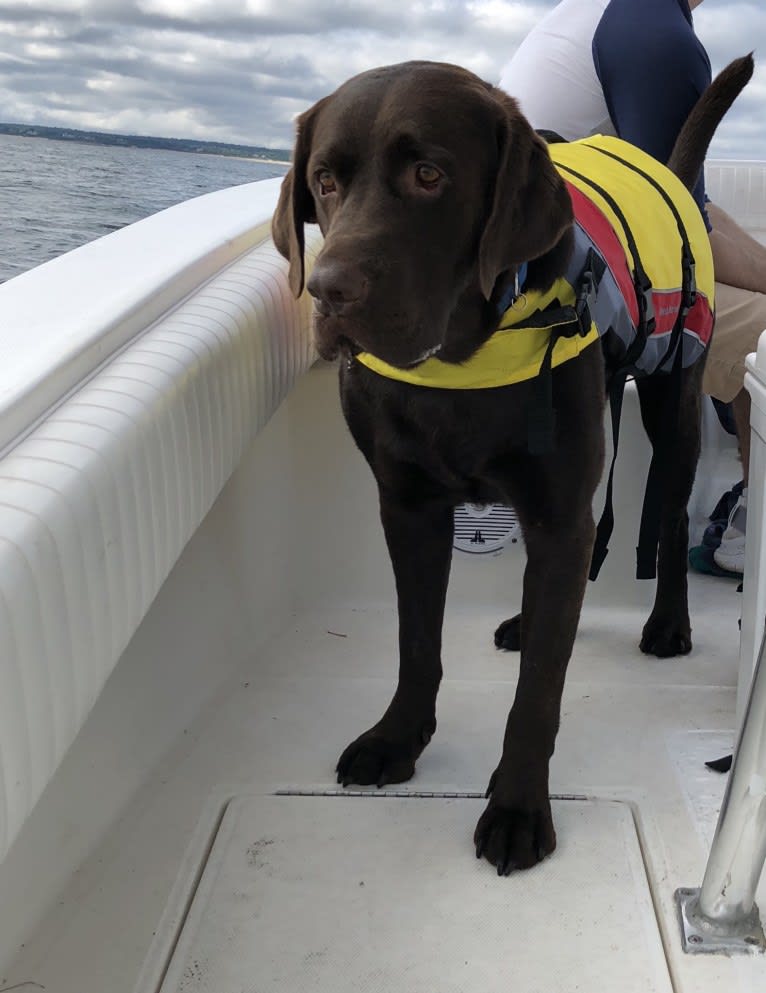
(62, 320)
(98, 501)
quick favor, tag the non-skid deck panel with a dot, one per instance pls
(382, 895)
(702, 789)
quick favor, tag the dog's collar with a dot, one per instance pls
(514, 291)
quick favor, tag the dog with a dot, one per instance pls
(433, 192)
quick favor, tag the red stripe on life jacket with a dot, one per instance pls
(600, 231)
(667, 303)
(699, 320)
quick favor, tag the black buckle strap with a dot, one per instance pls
(646, 318)
(641, 281)
(689, 274)
(541, 424)
(587, 292)
(541, 418)
(605, 526)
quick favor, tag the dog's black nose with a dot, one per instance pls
(336, 285)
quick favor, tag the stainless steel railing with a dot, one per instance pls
(722, 916)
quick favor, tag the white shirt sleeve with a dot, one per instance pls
(552, 74)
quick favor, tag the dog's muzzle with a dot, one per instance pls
(337, 287)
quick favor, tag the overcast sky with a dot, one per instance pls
(239, 70)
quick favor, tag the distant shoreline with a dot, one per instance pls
(284, 162)
(256, 153)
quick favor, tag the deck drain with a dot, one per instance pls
(384, 793)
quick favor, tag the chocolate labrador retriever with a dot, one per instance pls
(431, 189)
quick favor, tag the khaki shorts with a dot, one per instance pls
(740, 318)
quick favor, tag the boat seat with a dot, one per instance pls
(136, 371)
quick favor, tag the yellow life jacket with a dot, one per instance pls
(622, 216)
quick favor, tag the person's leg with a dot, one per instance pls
(740, 319)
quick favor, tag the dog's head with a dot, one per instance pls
(430, 188)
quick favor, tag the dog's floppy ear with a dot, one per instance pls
(531, 208)
(296, 204)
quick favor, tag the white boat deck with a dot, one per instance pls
(634, 730)
(273, 909)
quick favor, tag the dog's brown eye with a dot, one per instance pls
(326, 182)
(428, 176)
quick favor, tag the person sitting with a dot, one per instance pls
(635, 68)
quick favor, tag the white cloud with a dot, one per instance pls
(240, 70)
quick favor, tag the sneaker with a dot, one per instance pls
(701, 560)
(730, 554)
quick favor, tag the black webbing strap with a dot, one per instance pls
(541, 418)
(551, 137)
(641, 282)
(688, 265)
(606, 524)
(587, 289)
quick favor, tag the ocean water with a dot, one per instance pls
(56, 195)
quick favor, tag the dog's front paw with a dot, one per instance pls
(508, 634)
(514, 834)
(666, 637)
(377, 759)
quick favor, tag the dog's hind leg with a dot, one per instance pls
(667, 632)
(419, 537)
(508, 634)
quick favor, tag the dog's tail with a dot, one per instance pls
(688, 155)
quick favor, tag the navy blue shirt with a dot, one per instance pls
(652, 68)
